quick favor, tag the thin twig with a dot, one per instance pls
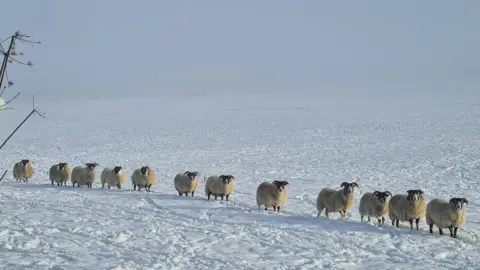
(15, 130)
(6, 103)
(3, 175)
(11, 58)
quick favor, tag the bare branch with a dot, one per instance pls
(3, 175)
(6, 103)
(11, 60)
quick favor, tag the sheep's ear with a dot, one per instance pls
(195, 173)
(285, 183)
(343, 184)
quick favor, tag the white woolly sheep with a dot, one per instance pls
(219, 186)
(446, 214)
(374, 205)
(143, 177)
(113, 177)
(336, 200)
(84, 175)
(272, 194)
(186, 182)
(59, 173)
(22, 170)
(407, 208)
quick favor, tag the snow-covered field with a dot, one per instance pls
(431, 144)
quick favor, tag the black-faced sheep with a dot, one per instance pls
(336, 200)
(374, 205)
(143, 177)
(113, 177)
(219, 186)
(408, 207)
(272, 194)
(446, 214)
(59, 173)
(84, 175)
(186, 182)
(22, 170)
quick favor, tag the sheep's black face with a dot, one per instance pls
(226, 179)
(348, 188)
(191, 175)
(62, 165)
(414, 194)
(457, 203)
(382, 196)
(25, 162)
(281, 185)
(91, 166)
(144, 170)
(117, 169)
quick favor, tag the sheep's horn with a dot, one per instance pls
(187, 172)
(285, 182)
(388, 193)
(376, 192)
(419, 191)
(343, 184)
(465, 200)
(354, 184)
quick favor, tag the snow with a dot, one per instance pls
(312, 142)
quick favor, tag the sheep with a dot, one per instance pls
(374, 205)
(219, 186)
(336, 200)
(22, 170)
(84, 175)
(186, 182)
(113, 177)
(407, 207)
(59, 173)
(143, 177)
(446, 214)
(272, 194)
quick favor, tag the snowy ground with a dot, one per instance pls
(313, 143)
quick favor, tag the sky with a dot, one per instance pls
(150, 48)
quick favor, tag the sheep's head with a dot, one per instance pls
(144, 170)
(25, 162)
(226, 178)
(414, 194)
(62, 166)
(348, 187)
(457, 203)
(281, 185)
(91, 166)
(382, 196)
(191, 175)
(117, 169)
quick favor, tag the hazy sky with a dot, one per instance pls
(148, 47)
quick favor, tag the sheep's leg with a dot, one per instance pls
(451, 231)
(326, 212)
(379, 222)
(179, 193)
(368, 218)
(221, 196)
(411, 223)
(455, 232)
(119, 186)
(134, 187)
(416, 222)
(108, 186)
(430, 226)
(186, 194)
(226, 197)
(383, 220)
(361, 218)
(278, 209)
(216, 196)
(397, 221)
(208, 197)
(52, 182)
(440, 231)
(149, 187)
(265, 208)
(274, 208)
(193, 192)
